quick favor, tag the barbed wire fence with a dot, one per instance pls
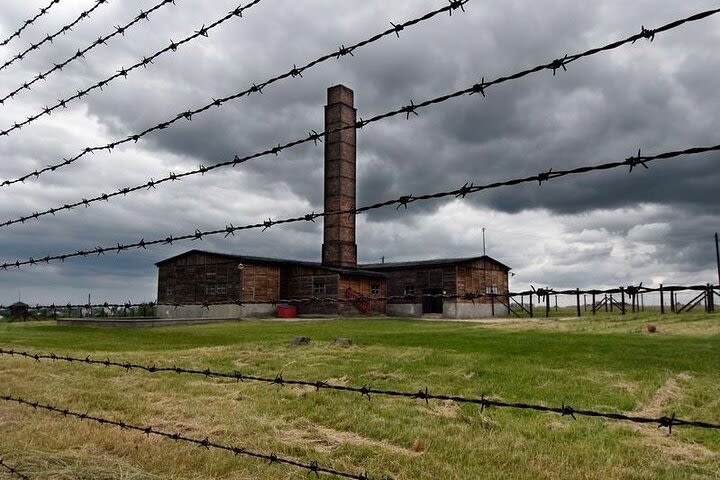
(119, 30)
(204, 31)
(50, 37)
(400, 202)
(188, 114)
(271, 458)
(315, 137)
(367, 391)
(404, 201)
(12, 470)
(28, 22)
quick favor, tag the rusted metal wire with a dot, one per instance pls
(404, 200)
(49, 38)
(216, 102)
(29, 22)
(12, 470)
(367, 391)
(271, 458)
(119, 30)
(314, 136)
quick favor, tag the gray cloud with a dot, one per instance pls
(603, 228)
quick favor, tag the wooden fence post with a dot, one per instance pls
(547, 305)
(662, 299)
(532, 315)
(622, 300)
(577, 297)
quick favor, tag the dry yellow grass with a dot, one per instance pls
(611, 367)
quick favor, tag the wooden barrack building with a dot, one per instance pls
(235, 286)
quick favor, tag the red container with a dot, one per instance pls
(286, 311)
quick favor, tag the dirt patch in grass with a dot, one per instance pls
(325, 440)
(664, 396)
(444, 409)
(670, 447)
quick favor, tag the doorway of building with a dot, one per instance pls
(433, 304)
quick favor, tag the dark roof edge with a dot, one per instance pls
(439, 261)
(300, 263)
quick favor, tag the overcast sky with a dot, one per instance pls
(601, 230)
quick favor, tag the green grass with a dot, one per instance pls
(607, 363)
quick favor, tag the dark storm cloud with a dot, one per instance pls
(655, 96)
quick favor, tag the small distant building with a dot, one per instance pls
(220, 285)
(235, 286)
(19, 310)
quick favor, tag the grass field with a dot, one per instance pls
(606, 363)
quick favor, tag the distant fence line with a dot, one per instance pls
(608, 300)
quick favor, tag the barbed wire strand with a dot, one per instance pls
(13, 470)
(271, 458)
(119, 30)
(29, 22)
(402, 201)
(359, 298)
(366, 391)
(49, 38)
(216, 102)
(313, 136)
(123, 72)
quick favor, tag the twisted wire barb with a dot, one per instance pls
(367, 391)
(29, 22)
(119, 30)
(313, 136)
(271, 458)
(13, 470)
(49, 38)
(216, 102)
(360, 298)
(404, 200)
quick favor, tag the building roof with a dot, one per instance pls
(279, 261)
(430, 263)
(19, 304)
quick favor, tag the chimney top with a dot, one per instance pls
(340, 94)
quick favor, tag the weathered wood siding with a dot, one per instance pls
(203, 277)
(476, 276)
(301, 282)
(260, 283)
(432, 279)
(351, 287)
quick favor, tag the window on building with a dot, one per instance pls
(409, 289)
(374, 289)
(491, 289)
(221, 290)
(319, 287)
(168, 291)
(211, 290)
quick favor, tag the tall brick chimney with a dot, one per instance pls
(339, 247)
